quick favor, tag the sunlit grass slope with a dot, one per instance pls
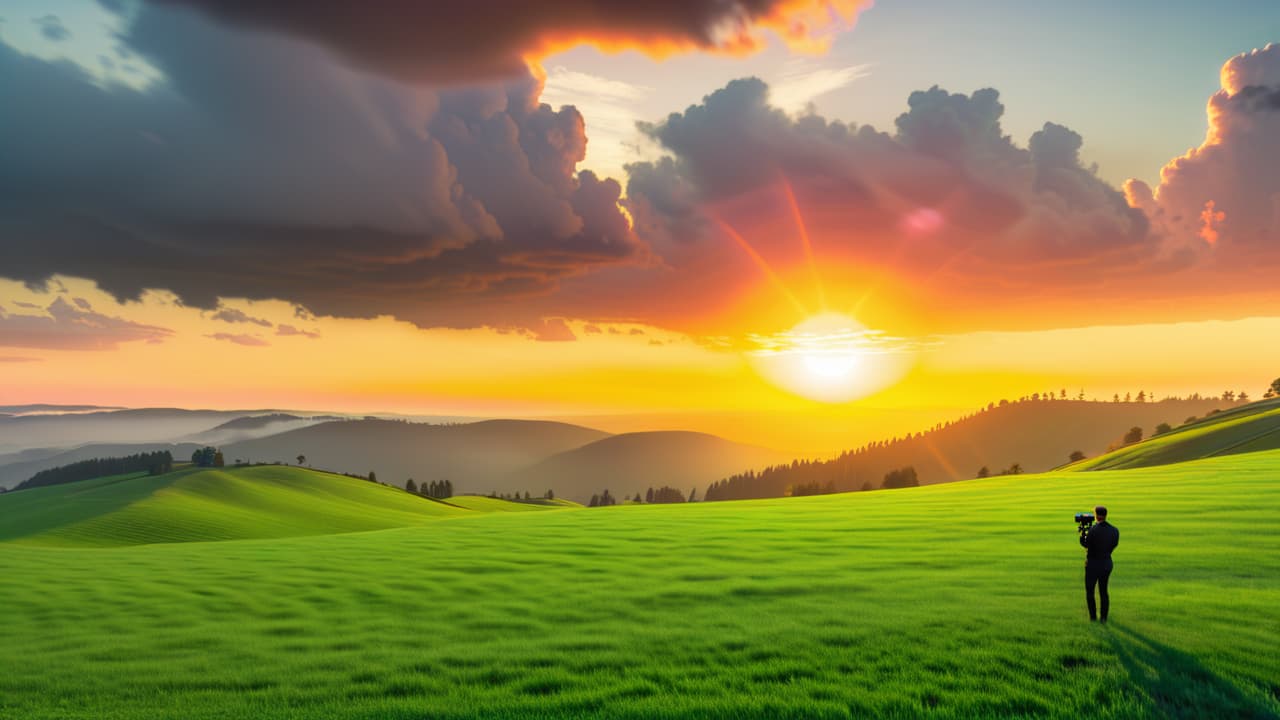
(488, 504)
(209, 504)
(948, 601)
(1249, 428)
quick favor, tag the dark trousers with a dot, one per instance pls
(1097, 574)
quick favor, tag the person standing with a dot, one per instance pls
(1099, 540)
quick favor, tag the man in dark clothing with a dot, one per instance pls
(1099, 540)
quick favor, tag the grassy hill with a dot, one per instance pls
(1249, 428)
(196, 504)
(476, 457)
(949, 601)
(633, 462)
(1038, 435)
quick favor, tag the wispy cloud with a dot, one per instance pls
(67, 327)
(289, 331)
(802, 81)
(233, 315)
(240, 339)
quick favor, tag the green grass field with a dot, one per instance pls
(948, 601)
(1249, 428)
(193, 505)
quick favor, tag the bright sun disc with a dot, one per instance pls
(830, 357)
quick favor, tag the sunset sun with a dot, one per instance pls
(830, 357)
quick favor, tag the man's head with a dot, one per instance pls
(1101, 512)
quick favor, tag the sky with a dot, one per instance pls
(798, 223)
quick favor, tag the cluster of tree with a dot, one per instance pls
(517, 497)
(207, 457)
(155, 463)
(665, 495)
(602, 500)
(813, 488)
(1273, 390)
(900, 478)
(1014, 469)
(438, 489)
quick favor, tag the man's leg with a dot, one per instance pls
(1090, 579)
(1103, 578)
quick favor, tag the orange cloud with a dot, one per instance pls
(1209, 217)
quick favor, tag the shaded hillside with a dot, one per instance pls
(1249, 428)
(1036, 435)
(478, 457)
(196, 505)
(256, 426)
(633, 462)
(21, 466)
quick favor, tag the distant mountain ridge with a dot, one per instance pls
(631, 463)
(478, 457)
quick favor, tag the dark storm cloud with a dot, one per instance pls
(262, 168)
(485, 39)
(66, 327)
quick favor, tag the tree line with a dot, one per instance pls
(153, 463)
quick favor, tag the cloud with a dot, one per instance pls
(452, 42)
(66, 327)
(17, 359)
(553, 330)
(802, 81)
(239, 339)
(232, 315)
(947, 201)
(334, 189)
(52, 29)
(611, 109)
(289, 330)
(1224, 195)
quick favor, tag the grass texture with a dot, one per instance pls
(949, 601)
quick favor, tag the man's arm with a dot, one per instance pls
(1084, 539)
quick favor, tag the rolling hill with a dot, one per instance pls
(194, 504)
(1037, 435)
(18, 467)
(477, 457)
(1248, 428)
(630, 463)
(896, 604)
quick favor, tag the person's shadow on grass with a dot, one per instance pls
(1177, 685)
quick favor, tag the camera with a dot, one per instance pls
(1084, 521)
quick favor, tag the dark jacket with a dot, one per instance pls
(1100, 540)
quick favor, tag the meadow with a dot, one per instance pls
(947, 601)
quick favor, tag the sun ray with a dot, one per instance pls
(805, 241)
(763, 265)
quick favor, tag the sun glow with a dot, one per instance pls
(832, 358)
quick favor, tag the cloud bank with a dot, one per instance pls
(487, 39)
(265, 165)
